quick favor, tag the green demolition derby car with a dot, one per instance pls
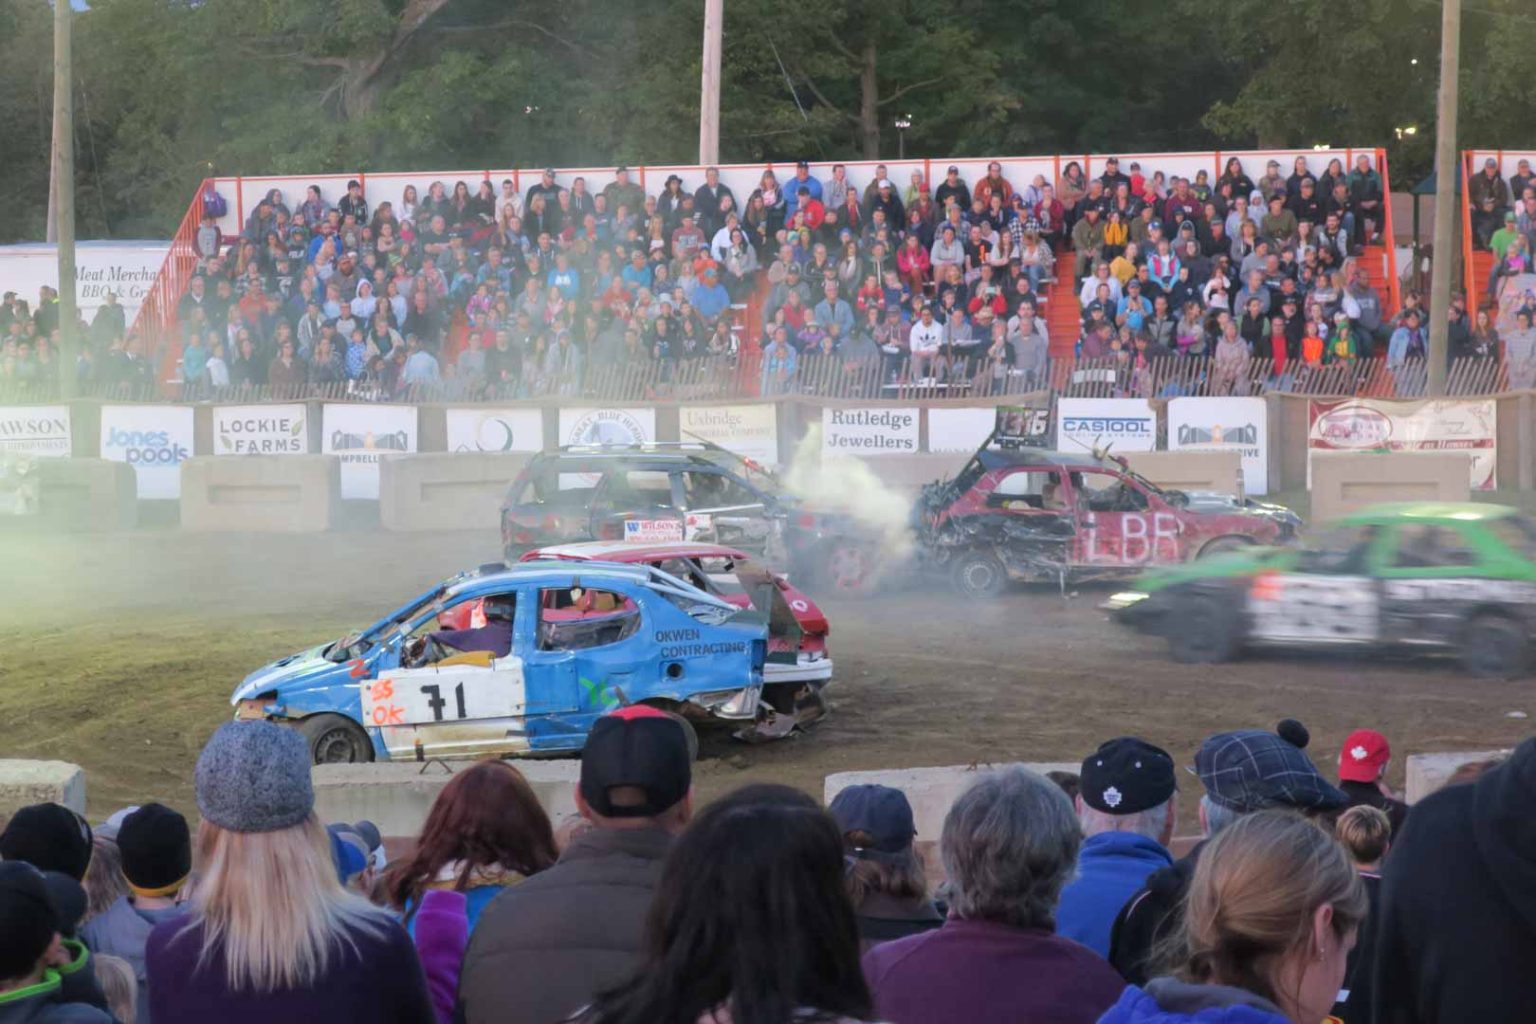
(1446, 577)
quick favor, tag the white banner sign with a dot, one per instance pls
(360, 434)
(36, 430)
(607, 426)
(495, 430)
(1119, 424)
(959, 430)
(869, 431)
(1224, 425)
(260, 429)
(127, 269)
(154, 439)
(1384, 425)
(751, 431)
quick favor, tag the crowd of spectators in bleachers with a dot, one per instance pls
(1060, 899)
(492, 291)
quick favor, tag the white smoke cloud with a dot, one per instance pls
(847, 485)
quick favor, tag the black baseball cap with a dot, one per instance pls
(1126, 775)
(637, 747)
(802, 163)
(881, 811)
(1250, 769)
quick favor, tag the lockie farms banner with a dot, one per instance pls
(260, 430)
(1374, 425)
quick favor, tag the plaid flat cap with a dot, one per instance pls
(1250, 769)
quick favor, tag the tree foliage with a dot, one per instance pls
(168, 91)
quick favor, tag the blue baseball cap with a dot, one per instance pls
(880, 811)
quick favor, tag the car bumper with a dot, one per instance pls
(1136, 609)
(807, 669)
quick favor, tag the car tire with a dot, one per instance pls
(335, 739)
(978, 575)
(1495, 646)
(1203, 630)
(1223, 545)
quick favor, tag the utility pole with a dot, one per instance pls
(1446, 213)
(63, 190)
(709, 87)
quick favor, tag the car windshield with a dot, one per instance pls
(355, 645)
(1518, 533)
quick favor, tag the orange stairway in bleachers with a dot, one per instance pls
(1482, 267)
(1063, 313)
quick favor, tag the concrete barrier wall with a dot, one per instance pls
(86, 494)
(1345, 482)
(1429, 772)
(260, 493)
(445, 491)
(396, 797)
(930, 791)
(23, 783)
(1191, 471)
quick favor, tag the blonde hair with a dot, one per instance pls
(119, 985)
(104, 881)
(274, 904)
(1256, 887)
(1365, 832)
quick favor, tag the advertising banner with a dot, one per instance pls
(260, 429)
(36, 430)
(1378, 425)
(607, 426)
(1119, 424)
(127, 269)
(362, 433)
(154, 439)
(1027, 425)
(495, 430)
(1224, 425)
(751, 431)
(869, 431)
(959, 430)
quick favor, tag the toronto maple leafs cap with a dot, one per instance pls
(1126, 775)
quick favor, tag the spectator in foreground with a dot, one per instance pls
(34, 957)
(1008, 845)
(156, 850)
(1125, 803)
(885, 874)
(272, 935)
(1457, 933)
(1243, 772)
(545, 947)
(485, 833)
(1363, 764)
(773, 942)
(50, 837)
(1274, 908)
(1366, 835)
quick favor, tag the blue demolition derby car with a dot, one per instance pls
(562, 644)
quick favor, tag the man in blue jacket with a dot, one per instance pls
(1126, 806)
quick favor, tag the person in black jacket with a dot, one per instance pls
(1362, 775)
(1242, 772)
(544, 948)
(1457, 932)
(884, 872)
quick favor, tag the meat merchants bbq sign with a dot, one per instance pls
(1371, 425)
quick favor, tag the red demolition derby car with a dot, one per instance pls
(798, 663)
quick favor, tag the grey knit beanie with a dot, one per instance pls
(254, 777)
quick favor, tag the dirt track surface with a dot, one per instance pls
(119, 653)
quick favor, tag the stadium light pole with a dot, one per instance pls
(709, 87)
(63, 169)
(1446, 214)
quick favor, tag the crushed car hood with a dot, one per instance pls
(286, 675)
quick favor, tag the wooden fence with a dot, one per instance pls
(828, 376)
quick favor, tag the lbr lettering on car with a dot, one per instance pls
(1142, 538)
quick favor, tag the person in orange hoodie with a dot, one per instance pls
(1312, 344)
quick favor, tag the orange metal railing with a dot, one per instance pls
(155, 324)
(1391, 239)
(1468, 270)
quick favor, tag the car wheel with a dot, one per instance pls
(1203, 631)
(1495, 646)
(978, 574)
(335, 739)
(1222, 545)
(849, 566)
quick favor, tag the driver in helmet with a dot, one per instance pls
(495, 636)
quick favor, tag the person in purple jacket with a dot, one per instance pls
(1008, 845)
(272, 935)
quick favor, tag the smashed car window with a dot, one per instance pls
(1427, 546)
(636, 488)
(577, 618)
(1107, 492)
(716, 490)
(555, 482)
(1518, 533)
